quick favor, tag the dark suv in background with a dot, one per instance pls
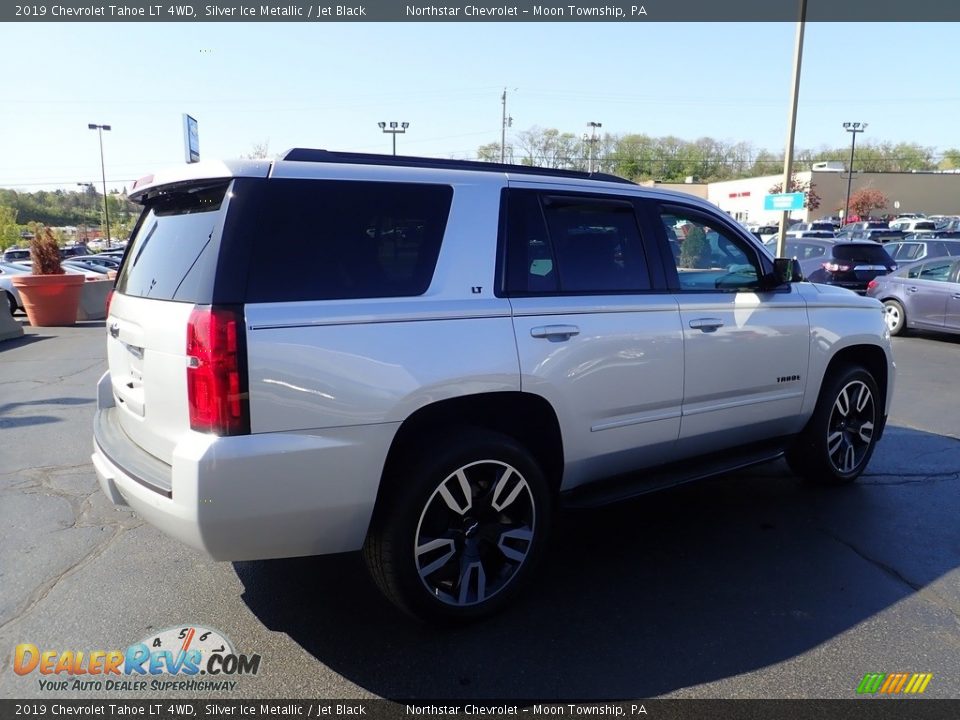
(850, 265)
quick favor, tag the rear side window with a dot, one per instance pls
(573, 244)
(173, 252)
(323, 240)
(864, 253)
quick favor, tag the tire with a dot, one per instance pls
(442, 557)
(895, 317)
(11, 302)
(839, 439)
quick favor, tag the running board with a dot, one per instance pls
(624, 487)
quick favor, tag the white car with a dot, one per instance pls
(433, 355)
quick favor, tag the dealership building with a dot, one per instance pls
(930, 193)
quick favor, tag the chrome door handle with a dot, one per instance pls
(560, 332)
(912, 289)
(706, 324)
(956, 296)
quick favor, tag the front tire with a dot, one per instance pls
(840, 437)
(11, 302)
(459, 532)
(895, 317)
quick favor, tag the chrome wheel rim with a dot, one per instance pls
(475, 532)
(851, 427)
(892, 315)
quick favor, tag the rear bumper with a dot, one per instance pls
(252, 496)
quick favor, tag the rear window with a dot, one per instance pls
(323, 239)
(172, 255)
(862, 254)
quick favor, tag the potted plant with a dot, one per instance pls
(49, 295)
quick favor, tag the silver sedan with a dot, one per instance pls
(923, 295)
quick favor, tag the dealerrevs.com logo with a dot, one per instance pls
(183, 653)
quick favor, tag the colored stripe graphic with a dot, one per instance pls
(870, 683)
(894, 683)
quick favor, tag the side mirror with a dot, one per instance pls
(785, 270)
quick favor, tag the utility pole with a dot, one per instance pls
(506, 122)
(592, 139)
(792, 128)
(103, 171)
(853, 128)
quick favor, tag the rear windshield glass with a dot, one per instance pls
(862, 253)
(171, 255)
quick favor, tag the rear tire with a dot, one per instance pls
(839, 439)
(459, 532)
(11, 302)
(895, 317)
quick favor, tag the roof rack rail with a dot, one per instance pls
(352, 158)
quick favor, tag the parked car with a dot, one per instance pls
(913, 248)
(850, 265)
(913, 224)
(10, 293)
(440, 353)
(923, 296)
(801, 228)
(13, 254)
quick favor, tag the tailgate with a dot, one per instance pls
(146, 352)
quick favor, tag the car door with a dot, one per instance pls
(928, 292)
(745, 351)
(952, 318)
(595, 337)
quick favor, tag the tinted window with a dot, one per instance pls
(864, 253)
(321, 239)
(171, 255)
(573, 244)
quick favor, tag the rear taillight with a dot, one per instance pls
(872, 284)
(216, 373)
(836, 267)
(109, 300)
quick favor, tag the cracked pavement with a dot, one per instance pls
(751, 585)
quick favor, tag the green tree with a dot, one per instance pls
(951, 159)
(9, 230)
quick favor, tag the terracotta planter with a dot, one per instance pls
(50, 299)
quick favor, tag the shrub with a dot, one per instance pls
(45, 253)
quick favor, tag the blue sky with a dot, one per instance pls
(327, 85)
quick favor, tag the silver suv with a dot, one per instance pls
(423, 359)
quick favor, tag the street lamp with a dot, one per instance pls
(106, 212)
(592, 140)
(853, 128)
(393, 129)
(86, 186)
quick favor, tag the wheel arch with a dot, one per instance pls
(525, 417)
(873, 359)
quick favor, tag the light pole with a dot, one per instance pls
(592, 140)
(103, 171)
(393, 129)
(86, 186)
(506, 122)
(853, 128)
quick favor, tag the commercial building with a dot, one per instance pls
(929, 193)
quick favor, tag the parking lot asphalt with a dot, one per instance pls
(748, 586)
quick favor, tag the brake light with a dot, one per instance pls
(836, 267)
(872, 284)
(216, 375)
(109, 300)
